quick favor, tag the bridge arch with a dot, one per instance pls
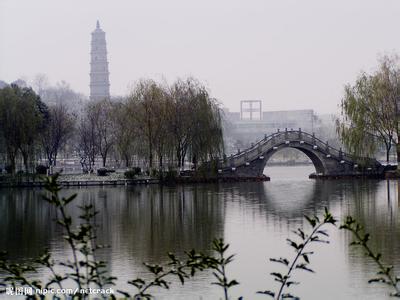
(316, 159)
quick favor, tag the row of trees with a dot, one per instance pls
(163, 125)
(29, 128)
(166, 125)
(370, 111)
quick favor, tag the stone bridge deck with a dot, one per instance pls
(327, 160)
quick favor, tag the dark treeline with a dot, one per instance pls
(163, 126)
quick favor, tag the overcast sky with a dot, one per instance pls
(290, 54)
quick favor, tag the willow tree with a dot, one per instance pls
(183, 94)
(176, 123)
(370, 111)
(195, 123)
(22, 117)
(124, 131)
(206, 138)
(144, 103)
(8, 118)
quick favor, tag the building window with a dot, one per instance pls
(250, 110)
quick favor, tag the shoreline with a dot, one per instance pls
(35, 182)
(102, 181)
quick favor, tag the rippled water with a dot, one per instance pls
(142, 223)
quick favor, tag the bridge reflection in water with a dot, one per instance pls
(328, 161)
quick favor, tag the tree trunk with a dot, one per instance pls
(398, 155)
(160, 162)
(178, 156)
(183, 156)
(49, 158)
(25, 159)
(104, 157)
(194, 161)
(11, 158)
(150, 155)
(126, 161)
(387, 155)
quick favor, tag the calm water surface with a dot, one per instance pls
(142, 223)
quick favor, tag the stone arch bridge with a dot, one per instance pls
(328, 161)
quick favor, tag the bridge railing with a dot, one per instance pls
(281, 137)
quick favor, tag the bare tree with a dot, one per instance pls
(86, 143)
(59, 129)
(40, 84)
(100, 112)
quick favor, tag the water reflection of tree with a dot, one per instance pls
(26, 225)
(375, 206)
(144, 223)
(139, 223)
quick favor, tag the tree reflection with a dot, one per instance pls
(377, 211)
(26, 225)
(143, 223)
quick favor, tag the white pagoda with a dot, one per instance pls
(99, 75)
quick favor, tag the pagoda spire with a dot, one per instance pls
(99, 75)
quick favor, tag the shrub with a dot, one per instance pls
(171, 176)
(130, 174)
(41, 169)
(155, 173)
(102, 172)
(8, 169)
(137, 170)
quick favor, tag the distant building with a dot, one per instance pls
(251, 123)
(271, 121)
(99, 75)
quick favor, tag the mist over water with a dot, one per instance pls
(143, 223)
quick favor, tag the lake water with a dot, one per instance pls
(143, 223)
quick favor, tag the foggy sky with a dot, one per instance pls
(290, 54)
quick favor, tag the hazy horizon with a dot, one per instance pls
(289, 54)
